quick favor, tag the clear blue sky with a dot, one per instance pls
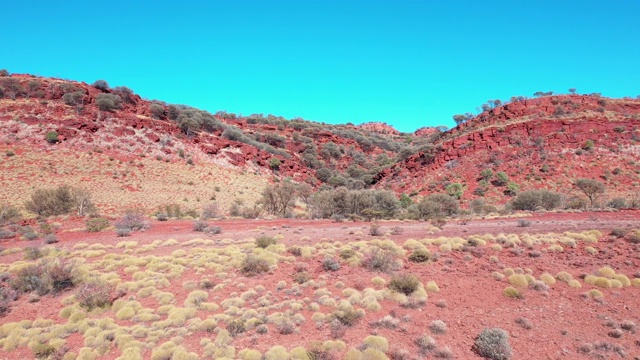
(408, 63)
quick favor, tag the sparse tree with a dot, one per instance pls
(572, 90)
(459, 119)
(304, 191)
(278, 199)
(82, 201)
(591, 188)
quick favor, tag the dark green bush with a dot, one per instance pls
(437, 206)
(52, 137)
(73, 98)
(101, 85)
(533, 200)
(108, 102)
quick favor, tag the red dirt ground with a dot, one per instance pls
(562, 320)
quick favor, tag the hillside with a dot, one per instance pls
(132, 151)
(135, 152)
(545, 142)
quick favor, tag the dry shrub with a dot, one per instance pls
(425, 343)
(302, 277)
(133, 220)
(493, 344)
(377, 259)
(404, 283)
(95, 294)
(420, 256)
(348, 317)
(252, 266)
(337, 329)
(375, 230)
(199, 226)
(438, 327)
(331, 264)
(397, 230)
(52, 276)
(7, 295)
(209, 211)
(286, 327)
(96, 224)
(236, 327)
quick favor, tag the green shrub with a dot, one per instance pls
(48, 202)
(108, 102)
(404, 283)
(493, 344)
(348, 317)
(533, 200)
(264, 241)
(455, 190)
(73, 98)
(501, 178)
(52, 137)
(486, 174)
(156, 110)
(96, 224)
(437, 206)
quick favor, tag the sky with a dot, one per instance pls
(407, 63)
